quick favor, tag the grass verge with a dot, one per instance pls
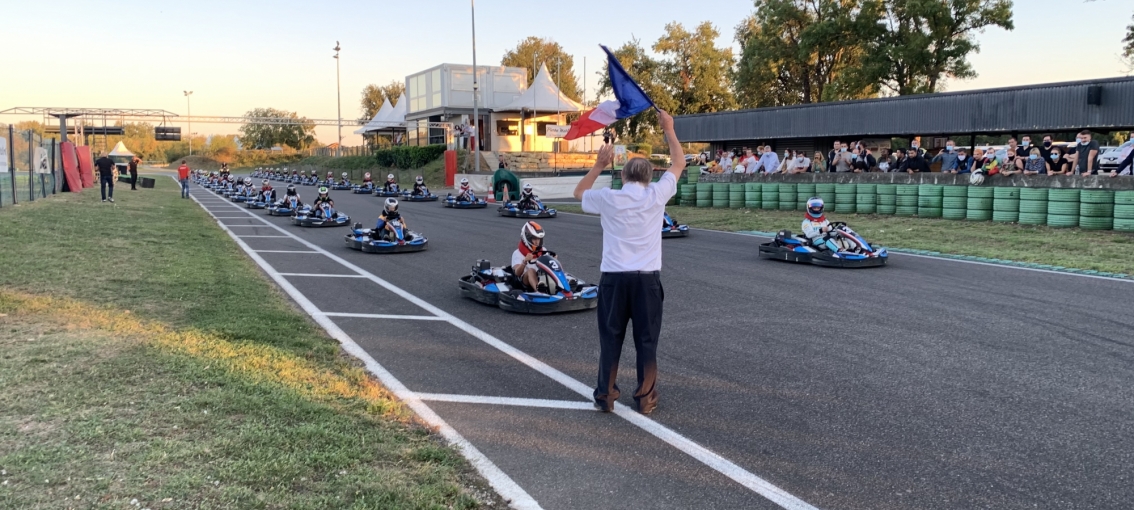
(143, 357)
(1071, 248)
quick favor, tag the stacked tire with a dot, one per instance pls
(616, 183)
(866, 199)
(887, 198)
(752, 197)
(1005, 204)
(954, 202)
(1062, 208)
(787, 196)
(978, 207)
(736, 196)
(845, 195)
(1124, 211)
(930, 198)
(704, 194)
(720, 195)
(1033, 206)
(803, 193)
(826, 191)
(906, 203)
(1096, 209)
(770, 196)
(688, 193)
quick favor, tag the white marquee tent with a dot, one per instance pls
(543, 96)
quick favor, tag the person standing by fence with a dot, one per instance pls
(183, 176)
(105, 167)
(630, 288)
(133, 168)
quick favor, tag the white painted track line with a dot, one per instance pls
(504, 485)
(508, 401)
(264, 237)
(689, 447)
(279, 251)
(312, 275)
(383, 316)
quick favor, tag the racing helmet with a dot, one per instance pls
(367, 175)
(265, 182)
(389, 177)
(530, 233)
(976, 179)
(528, 188)
(464, 183)
(290, 189)
(419, 179)
(344, 175)
(815, 208)
(323, 191)
(247, 181)
(330, 175)
(391, 204)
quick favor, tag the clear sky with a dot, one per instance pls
(242, 54)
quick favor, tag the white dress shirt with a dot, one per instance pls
(631, 223)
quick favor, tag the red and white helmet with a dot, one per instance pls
(464, 183)
(531, 234)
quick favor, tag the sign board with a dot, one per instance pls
(556, 131)
(3, 155)
(41, 166)
(619, 156)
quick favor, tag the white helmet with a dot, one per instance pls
(390, 177)
(527, 187)
(344, 175)
(264, 182)
(391, 204)
(367, 176)
(529, 233)
(247, 181)
(464, 183)
(419, 180)
(976, 179)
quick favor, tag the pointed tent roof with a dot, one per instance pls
(543, 96)
(399, 113)
(373, 124)
(120, 150)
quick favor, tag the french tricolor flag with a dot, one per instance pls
(631, 100)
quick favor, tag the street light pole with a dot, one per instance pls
(189, 115)
(339, 92)
(475, 106)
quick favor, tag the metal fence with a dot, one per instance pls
(31, 167)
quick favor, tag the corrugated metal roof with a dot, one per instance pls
(1034, 108)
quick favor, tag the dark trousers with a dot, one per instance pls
(105, 181)
(133, 179)
(625, 297)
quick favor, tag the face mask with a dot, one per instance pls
(1026, 143)
(1033, 157)
(843, 149)
(1083, 142)
(961, 157)
(1055, 156)
(854, 156)
(949, 148)
(786, 155)
(914, 146)
(1046, 144)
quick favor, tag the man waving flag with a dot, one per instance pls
(631, 100)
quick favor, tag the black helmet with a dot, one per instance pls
(391, 204)
(290, 189)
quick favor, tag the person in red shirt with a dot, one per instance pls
(183, 176)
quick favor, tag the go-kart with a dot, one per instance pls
(424, 196)
(500, 287)
(363, 189)
(288, 206)
(512, 210)
(394, 191)
(257, 202)
(341, 186)
(324, 216)
(477, 203)
(670, 228)
(242, 197)
(393, 240)
(852, 251)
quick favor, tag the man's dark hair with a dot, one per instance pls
(1049, 136)
(183, 162)
(1085, 132)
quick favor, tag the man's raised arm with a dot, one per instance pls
(676, 154)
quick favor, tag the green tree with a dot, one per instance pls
(1128, 48)
(373, 96)
(803, 51)
(647, 72)
(533, 51)
(917, 43)
(299, 134)
(695, 73)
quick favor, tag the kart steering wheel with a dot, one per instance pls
(837, 224)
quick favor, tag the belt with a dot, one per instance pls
(651, 273)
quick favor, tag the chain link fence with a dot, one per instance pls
(31, 166)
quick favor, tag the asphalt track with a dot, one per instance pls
(926, 384)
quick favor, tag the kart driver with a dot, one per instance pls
(243, 186)
(816, 227)
(324, 198)
(267, 194)
(330, 179)
(527, 198)
(523, 259)
(344, 181)
(391, 184)
(367, 182)
(389, 215)
(292, 193)
(465, 193)
(419, 188)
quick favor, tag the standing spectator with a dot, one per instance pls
(885, 161)
(607, 136)
(630, 288)
(726, 161)
(947, 158)
(842, 161)
(899, 160)
(1035, 165)
(1126, 166)
(1057, 162)
(1009, 163)
(105, 177)
(831, 155)
(916, 145)
(800, 164)
(1024, 151)
(914, 162)
(785, 164)
(1045, 148)
(769, 162)
(964, 163)
(133, 169)
(183, 176)
(818, 164)
(750, 162)
(1085, 154)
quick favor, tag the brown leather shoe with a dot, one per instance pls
(603, 408)
(647, 408)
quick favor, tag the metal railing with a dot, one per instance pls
(31, 166)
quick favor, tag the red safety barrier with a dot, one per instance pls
(71, 167)
(86, 165)
(450, 167)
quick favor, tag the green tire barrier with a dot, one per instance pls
(929, 212)
(979, 192)
(1005, 216)
(1005, 192)
(788, 196)
(865, 208)
(845, 189)
(955, 191)
(770, 196)
(752, 205)
(845, 208)
(1124, 197)
(704, 195)
(1124, 224)
(930, 190)
(1033, 206)
(752, 195)
(1096, 196)
(905, 210)
(905, 189)
(886, 189)
(866, 189)
(825, 187)
(954, 214)
(930, 201)
(1090, 223)
(1062, 220)
(789, 206)
(720, 195)
(1033, 218)
(828, 197)
(1096, 210)
(805, 189)
(978, 204)
(1063, 208)
(864, 199)
(978, 215)
(886, 199)
(1124, 211)
(954, 203)
(1006, 205)
(616, 184)
(692, 174)
(886, 209)
(736, 196)
(907, 200)
(1033, 194)
(1062, 195)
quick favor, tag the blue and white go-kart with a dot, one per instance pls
(423, 196)
(396, 239)
(285, 207)
(261, 201)
(476, 203)
(671, 228)
(363, 189)
(341, 186)
(841, 247)
(324, 216)
(513, 210)
(498, 286)
(382, 192)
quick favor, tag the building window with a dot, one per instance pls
(435, 89)
(541, 127)
(507, 128)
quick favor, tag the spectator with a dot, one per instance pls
(1024, 151)
(818, 164)
(916, 145)
(133, 169)
(885, 161)
(768, 161)
(726, 161)
(785, 164)
(1045, 148)
(750, 162)
(964, 163)
(914, 163)
(183, 177)
(986, 161)
(1085, 153)
(831, 156)
(1035, 165)
(899, 160)
(863, 160)
(842, 159)
(1126, 166)
(630, 288)
(106, 177)
(1057, 162)
(1008, 165)
(799, 164)
(947, 158)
